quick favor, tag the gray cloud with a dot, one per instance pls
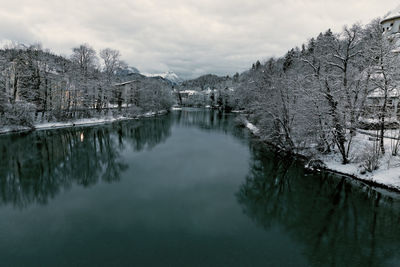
(190, 37)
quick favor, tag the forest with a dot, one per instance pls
(317, 97)
(39, 86)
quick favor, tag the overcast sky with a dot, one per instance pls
(189, 37)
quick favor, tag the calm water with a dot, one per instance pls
(185, 189)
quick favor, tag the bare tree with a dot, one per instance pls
(85, 59)
(111, 62)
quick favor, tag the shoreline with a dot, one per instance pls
(77, 123)
(331, 165)
(348, 171)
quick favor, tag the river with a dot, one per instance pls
(185, 189)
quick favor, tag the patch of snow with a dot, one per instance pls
(153, 113)
(252, 128)
(375, 121)
(80, 122)
(379, 93)
(208, 91)
(388, 173)
(125, 105)
(385, 176)
(124, 83)
(190, 92)
(10, 129)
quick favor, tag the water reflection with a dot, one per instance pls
(210, 120)
(188, 201)
(37, 166)
(339, 223)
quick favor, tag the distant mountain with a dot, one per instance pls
(128, 74)
(169, 75)
(127, 71)
(205, 81)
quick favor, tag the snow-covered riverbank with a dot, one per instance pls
(388, 172)
(386, 176)
(75, 123)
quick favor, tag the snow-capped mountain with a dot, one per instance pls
(169, 75)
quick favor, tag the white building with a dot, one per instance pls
(391, 28)
(391, 22)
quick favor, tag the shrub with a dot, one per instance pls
(369, 157)
(20, 113)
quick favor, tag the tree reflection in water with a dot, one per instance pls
(211, 120)
(35, 167)
(339, 222)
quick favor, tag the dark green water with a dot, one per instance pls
(185, 189)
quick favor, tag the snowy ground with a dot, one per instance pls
(252, 128)
(388, 173)
(80, 122)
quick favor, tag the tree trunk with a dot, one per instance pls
(339, 131)
(382, 130)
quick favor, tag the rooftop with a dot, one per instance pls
(124, 83)
(379, 93)
(394, 14)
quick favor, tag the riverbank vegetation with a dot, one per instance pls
(38, 86)
(316, 95)
(315, 99)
